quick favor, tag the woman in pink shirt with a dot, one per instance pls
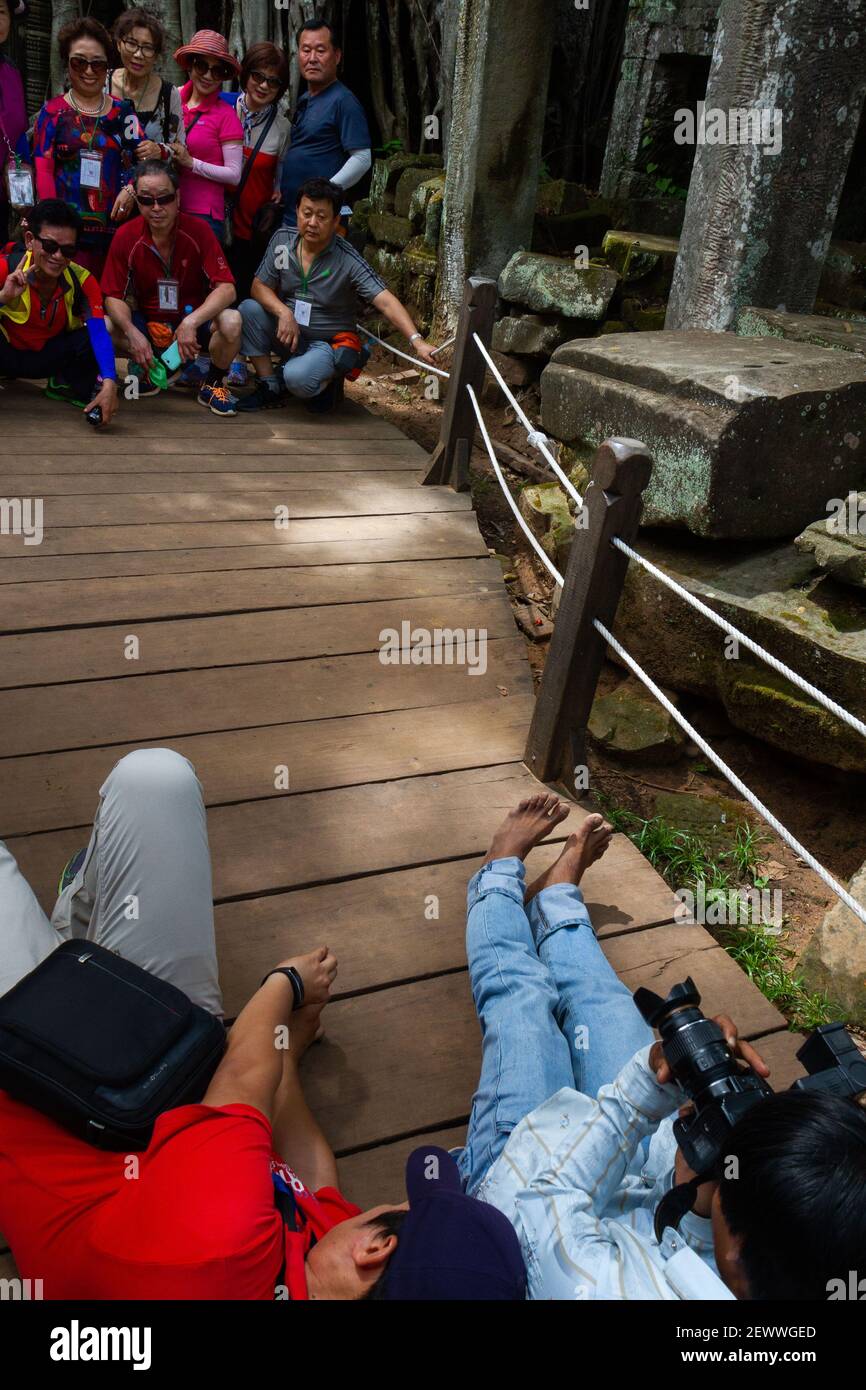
(210, 162)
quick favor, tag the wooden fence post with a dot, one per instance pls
(593, 582)
(449, 462)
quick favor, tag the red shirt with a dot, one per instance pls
(134, 267)
(46, 320)
(193, 1217)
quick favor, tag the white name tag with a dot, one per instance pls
(19, 183)
(91, 170)
(303, 311)
(168, 295)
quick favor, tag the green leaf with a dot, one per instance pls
(651, 168)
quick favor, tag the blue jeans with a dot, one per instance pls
(552, 1011)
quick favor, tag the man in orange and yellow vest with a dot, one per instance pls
(52, 319)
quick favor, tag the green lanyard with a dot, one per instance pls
(305, 277)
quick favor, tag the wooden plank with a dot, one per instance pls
(779, 1051)
(194, 425)
(184, 644)
(116, 484)
(191, 508)
(179, 704)
(394, 1062)
(379, 928)
(313, 455)
(277, 844)
(173, 450)
(48, 791)
(662, 956)
(376, 1176)
(293, 841)
(105, 551)
(88, 601)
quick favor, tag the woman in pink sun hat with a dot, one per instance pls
(210, 162)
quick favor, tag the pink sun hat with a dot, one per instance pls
(207, 43)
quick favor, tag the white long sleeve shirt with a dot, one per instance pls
(573, 1182)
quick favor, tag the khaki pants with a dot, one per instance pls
(144, 889)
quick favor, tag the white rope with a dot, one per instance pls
(443, 346)
(842, 893)
(535, 438)
(812, 691)
(416, 361)
(545, 559)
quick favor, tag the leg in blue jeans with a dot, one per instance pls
(525, 1057)
(595, 1010)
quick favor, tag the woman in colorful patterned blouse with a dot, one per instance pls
(85, 143)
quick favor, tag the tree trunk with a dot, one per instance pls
(62, 11)
(398, 81)
(188, 20)
(384, 114)
(422, 20)
(448, 16)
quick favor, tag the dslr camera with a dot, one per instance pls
(722, 1088)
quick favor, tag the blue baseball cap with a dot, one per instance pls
(451, 1246)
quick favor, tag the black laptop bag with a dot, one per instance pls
(104, 1047)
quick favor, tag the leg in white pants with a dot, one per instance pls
(144, 889)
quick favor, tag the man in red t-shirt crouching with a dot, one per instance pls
(167, 278)
(237, 1197)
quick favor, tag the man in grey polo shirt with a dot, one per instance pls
(306, 293)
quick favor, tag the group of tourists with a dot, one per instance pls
(189, 230)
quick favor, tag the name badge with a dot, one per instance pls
(303, 311)
(19, 186)
(169, 292)
(91, 170)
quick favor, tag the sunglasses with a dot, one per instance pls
(262, 80)
(66, 249)
(205, 69)
(147, 50)
(149, 200)
(80, 64)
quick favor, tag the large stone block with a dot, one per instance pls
(546, 284)
(409, 181)
(834, 961)
(392, 230)
(643, 259)
(775, 596)
(390, 265)
(838, 543)
(530, 334)
(750, 437)
(847, 332)
(558, 197)
(386, 176)
(424, 191)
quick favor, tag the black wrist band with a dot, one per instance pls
(295, 980)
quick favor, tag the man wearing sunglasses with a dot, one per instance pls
(52, 321)
(167, 278)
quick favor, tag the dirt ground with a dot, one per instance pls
(824, 809)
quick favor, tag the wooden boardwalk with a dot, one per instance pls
(259, 647)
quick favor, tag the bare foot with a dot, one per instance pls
(526, 826)
(581, 849)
